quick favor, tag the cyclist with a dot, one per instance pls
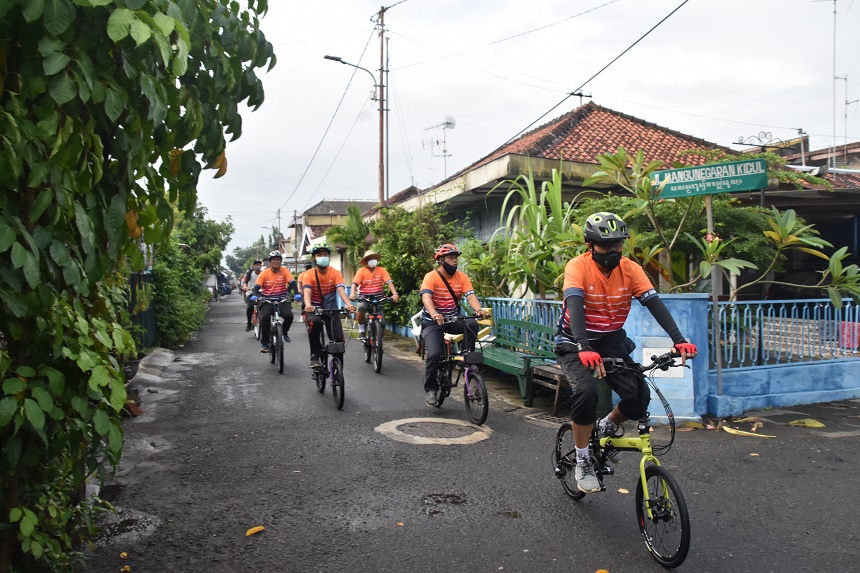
(441, 292)
(308, 266)
(370, 281)
(599, 286)
(250, 278)
(273, 285)
(322, 285)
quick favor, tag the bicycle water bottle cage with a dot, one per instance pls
(335, 348)
(473, 358)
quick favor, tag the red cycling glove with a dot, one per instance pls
(687, 347)
(589, 358)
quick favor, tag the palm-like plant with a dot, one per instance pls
(352, 235)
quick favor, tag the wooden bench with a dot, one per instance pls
(550, 376)
(518, 346)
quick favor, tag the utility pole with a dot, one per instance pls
(381, 24)
(296, 240)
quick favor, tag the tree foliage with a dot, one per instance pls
(353, 235)
(242, 257)
(109, 111)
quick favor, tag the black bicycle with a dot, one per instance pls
(661, 511)
(374, 327)
(276, 334)
(456, 358)
(330, 366)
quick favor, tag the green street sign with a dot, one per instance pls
(749, 175)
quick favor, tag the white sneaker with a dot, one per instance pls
(431, 398)
(586, 479)
(607, 428)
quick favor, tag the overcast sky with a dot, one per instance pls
(715, 69)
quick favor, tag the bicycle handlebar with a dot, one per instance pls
(373, 300)
(461, 318)
(322, 311)
(663, 362)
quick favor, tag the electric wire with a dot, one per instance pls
(404, 132)
(331, 121)
(600, 71)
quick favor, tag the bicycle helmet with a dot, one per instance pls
(446, 249)
(275, 255)
(257, 262)
(605, 227)
(320, 247)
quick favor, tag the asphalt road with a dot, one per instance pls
(226, 443)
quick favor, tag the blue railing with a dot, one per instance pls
(767, 333)
(544, 312)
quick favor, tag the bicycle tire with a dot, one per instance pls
(256, 324)
(368, 337)
(443, 383)
(273, 343)
(475, 395)
(279, 347)
(376, 357)
(564, 461)
(319, 378)
(337, 386)
(667, 533)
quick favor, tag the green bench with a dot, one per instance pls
(518, 346)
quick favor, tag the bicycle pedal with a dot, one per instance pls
(560, 471)
(606, 471)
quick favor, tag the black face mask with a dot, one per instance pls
(450, 269)
(608, 260)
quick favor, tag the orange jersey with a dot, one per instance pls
(274, 285)
(371, 282)
(442, 301)
(329, 281)
(606, 300)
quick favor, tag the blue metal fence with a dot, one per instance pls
(544, 312)
(767, 333)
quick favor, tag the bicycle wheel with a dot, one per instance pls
(320, 375)
(564, 460)
(279, 347)
(667, 531)
(337, 383)
(273, 342)
(377, 347)
(443, 382)
(475, 394)
(368, 337)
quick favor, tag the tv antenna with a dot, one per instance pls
(449, 123)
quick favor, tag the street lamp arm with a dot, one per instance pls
(339, 59)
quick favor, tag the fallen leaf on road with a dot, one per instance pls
(399, 524)
(754, 455)
(740, 420)
(622, 490)
(757, 426)
(123, 555)
(807, 423)
(743, 433)
(601, 571)
(693, 425)
(254, 530)
(126, 568)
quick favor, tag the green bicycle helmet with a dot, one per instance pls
(605, 227)
(320, 247)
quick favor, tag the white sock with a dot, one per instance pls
(605, 421)
(361, 329)
(583, 454)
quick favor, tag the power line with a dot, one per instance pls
(600, 71)
(331, 121)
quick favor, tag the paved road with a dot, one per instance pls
(226, 443)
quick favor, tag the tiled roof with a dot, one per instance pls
(317, 231)
(339, 206)
(591, 130)
(822, 154)
(843, 180)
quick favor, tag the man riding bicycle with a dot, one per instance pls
(441, 292)
(369, 282)
(599, 286)
(322, 285)
(248, 282)
(273, 285)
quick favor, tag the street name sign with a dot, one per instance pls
(749, 175)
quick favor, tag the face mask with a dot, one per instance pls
(372, 263)
(322, 262)
(257, 268)
(608, 260)
(450, 269)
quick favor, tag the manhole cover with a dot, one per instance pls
(434, 431)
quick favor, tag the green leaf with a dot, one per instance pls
(119, 24)
(27, 525)
(114, 105)
(56, 381)
(33, 10)
(15, 514)
(115, 439)
(59, 253)
(7, 237)
(46, 403)
(140, 32)
(25, 371)
(8, 408)
(41, 203)
(19, 255)
(34, 414)
(99, 377)
(54, 63)
(101, 422)
(31, 271)
(103, 337)
(165, 23)
(59, 15)
(36, 549)
(62, 88)
(118, 395)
